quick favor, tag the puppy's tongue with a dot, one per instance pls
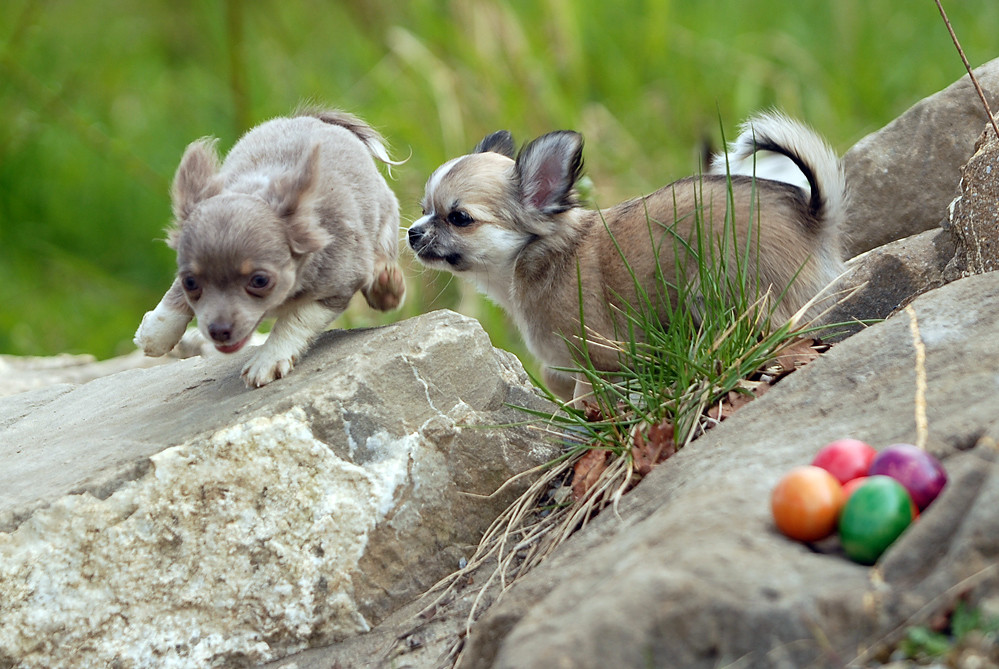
(231, 348)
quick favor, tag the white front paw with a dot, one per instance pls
(160, 331)
(265, 366)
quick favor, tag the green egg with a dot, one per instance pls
(874, 516)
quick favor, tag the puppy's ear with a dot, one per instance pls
(292, 196)
(196, 179)
(500, 142)
(548, 168)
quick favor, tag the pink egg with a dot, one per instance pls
(846, 459)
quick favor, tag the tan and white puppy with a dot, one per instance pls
(294, 222)
(513, 226)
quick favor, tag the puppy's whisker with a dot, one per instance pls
(450, 278)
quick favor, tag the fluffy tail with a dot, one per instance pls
(371, 138)
(773, 146)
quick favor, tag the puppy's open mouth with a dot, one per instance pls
(455, 260)
(231, 348)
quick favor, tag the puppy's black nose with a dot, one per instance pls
(220, 332)
(415, 236)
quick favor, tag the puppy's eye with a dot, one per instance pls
(190, 284)
(460, 218)
(259, 281)
(259, 284)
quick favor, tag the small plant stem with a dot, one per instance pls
(967, 66)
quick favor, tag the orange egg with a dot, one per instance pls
(806, 503)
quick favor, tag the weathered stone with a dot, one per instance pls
(883, 280)
(903, 177)
(974, 215)
(20, 374)
(172, 517)
(692, 573)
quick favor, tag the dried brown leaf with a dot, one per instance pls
(796, 354)
(587, 471)
(592, 412)
(735, 400)
(647, 452)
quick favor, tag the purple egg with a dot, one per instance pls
(918, 471)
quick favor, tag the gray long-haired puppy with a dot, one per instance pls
(294, 222)
(513, 225)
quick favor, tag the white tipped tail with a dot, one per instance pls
(774, 146)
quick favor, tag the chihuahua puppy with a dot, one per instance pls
(513, 226)
(294, 222)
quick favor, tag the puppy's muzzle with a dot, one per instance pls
(417, 238)
(220, 333)
(422, 241)
(427, 247)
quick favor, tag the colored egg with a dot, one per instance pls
(921, 473)
(806, 503)
(873, 517)
(846, 459)
(852, 485)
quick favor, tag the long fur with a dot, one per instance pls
(514, 226)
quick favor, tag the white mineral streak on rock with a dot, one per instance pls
(239, 545)
(423, 382)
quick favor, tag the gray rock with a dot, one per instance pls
(171, 517)
(20, 374)
(883, 280)
(693, 572)
(903, 177)
(974, 215)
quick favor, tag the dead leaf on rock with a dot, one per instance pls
(647, 452)
(587, 471)
(796, 354)
(736, 399)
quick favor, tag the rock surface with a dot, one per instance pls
(21, 374)
(171, 517)
(974, 215)
(904, 176)
(883, 280)
(693, 572)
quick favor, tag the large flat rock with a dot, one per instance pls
(171, 517)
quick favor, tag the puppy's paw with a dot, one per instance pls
(160, 330)
(266, 366)
(192, 344)
(388, 289)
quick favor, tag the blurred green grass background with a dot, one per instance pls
(99, 99)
